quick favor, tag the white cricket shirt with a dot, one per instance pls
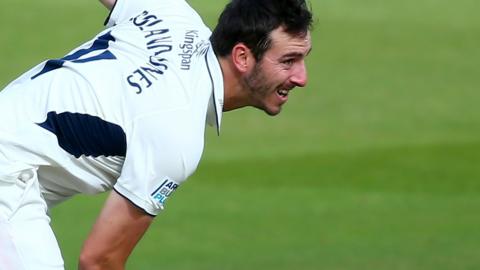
(126, 110)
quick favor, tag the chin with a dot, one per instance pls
(272, 112)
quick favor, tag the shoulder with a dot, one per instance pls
(162, 146)
(126, 10)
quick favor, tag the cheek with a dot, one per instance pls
(271, 77)
(275, 73)
(278, 77)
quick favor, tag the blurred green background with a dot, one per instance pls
(374, 165)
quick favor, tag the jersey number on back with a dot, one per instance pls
(100, 45)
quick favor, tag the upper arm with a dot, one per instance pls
(163, 151)
(117, 230)
(108, 3)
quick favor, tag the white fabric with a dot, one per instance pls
(126, 110)
(26, 239)
(146, 75)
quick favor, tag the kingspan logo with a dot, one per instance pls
(188, 49)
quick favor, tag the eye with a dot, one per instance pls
(288, 62)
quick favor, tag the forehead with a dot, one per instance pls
(284, 43)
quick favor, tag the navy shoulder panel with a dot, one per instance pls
(83, 134)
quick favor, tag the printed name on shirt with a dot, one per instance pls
(159, 42)
(164, 191)
(188, 49)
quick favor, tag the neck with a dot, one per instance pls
(234, 90)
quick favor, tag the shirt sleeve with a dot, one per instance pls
(161, 154)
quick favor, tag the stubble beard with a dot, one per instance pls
(259, 89)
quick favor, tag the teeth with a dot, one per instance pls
(282, 92)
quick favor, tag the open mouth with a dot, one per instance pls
(282, 92)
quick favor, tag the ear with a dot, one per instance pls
(242, 58)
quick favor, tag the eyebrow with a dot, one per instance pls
(296, 54)
(309, 50)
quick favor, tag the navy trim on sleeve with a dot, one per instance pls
(140, 208)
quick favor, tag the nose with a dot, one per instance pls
(299, 76)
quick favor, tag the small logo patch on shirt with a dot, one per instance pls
(164, 191)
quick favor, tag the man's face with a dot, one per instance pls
(280, 70)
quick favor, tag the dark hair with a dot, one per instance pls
(252, 21)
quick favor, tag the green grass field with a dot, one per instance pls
(375, 165)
